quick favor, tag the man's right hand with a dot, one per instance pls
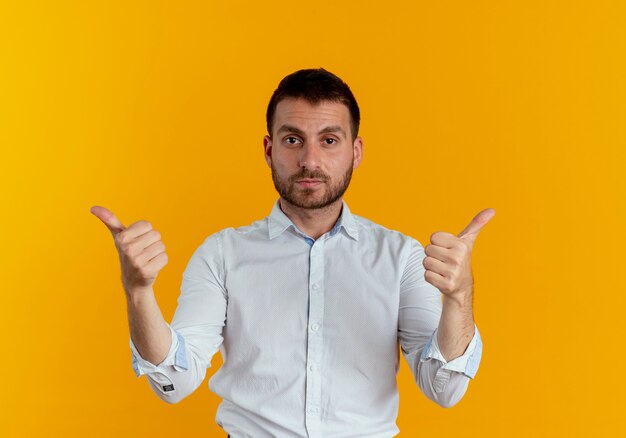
(142, 254)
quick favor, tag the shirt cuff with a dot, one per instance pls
(177, 356)
(466, 363)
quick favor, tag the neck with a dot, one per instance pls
(313, 222)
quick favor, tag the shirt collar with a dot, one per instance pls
(279, 222)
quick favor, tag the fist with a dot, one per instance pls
(447, 262)
(140, 249)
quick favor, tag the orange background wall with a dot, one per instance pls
(155, 110)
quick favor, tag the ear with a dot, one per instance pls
(267, 148)
(358, 151)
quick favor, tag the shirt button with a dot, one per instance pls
(312, 367)
(315, 286)
(312, 410)
(314, 327)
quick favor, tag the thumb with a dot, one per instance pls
(471, 231)
(110, 220)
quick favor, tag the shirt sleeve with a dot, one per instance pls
(196, 327)
(176, 356)
(467, 363)
(444, 382)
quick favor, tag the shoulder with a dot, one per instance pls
(255, 230)
(216, 246)
(372, 230)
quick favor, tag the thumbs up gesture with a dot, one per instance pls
(447, 260)
(141, 251)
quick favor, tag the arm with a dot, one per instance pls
(442, 267)
(448, 268)
(456, 327)
(195, 334)
(183, 350)
(148, 330)
(421, 312)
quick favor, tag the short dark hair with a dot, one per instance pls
(315, 85)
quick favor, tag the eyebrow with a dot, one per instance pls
(290, 128)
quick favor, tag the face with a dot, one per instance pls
(311, 152)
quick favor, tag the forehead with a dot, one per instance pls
(298, 111)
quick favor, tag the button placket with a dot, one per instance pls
(315, 339)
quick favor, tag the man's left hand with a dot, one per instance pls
(447, 260)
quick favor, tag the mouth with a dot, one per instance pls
(309, 182)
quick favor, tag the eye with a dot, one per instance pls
(332, 140)
(289, 141)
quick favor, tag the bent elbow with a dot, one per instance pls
(167, 390)
(446, 392)
(170, 399)
(448, 402)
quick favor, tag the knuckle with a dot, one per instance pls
(141, 224)
(134, 263)
(462, 255)
(436, 235)
(143, 272)
(129, 250)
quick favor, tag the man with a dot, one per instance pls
(311, 305)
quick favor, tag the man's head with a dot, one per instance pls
(312, 144)
(314, 85)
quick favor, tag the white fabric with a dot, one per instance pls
(310, 332)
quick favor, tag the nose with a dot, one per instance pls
(310, 155)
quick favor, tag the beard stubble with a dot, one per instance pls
(306, 197)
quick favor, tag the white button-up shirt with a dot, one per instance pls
(310, 331)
